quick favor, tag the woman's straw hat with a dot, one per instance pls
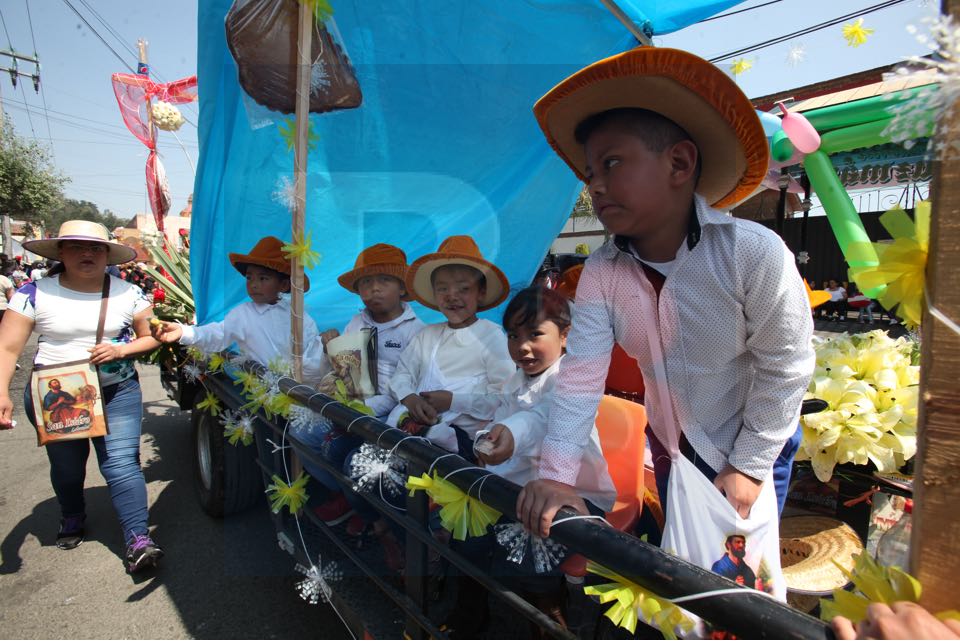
(84, 230)
(268, 252)
(456, 250)
(809, 545)
(379, 259)
(688, 90)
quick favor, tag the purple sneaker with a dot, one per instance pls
(71, 532)
(142, 553)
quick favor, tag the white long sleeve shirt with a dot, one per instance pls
(524, 406)
(262, 333)
(392, 338)
(478, 352)
(736, 329)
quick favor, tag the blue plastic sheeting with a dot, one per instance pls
(444, 143)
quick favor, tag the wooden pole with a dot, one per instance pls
(304, 45)
(936, 527)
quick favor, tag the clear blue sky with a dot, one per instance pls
(106, 163)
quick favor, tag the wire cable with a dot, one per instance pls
(9, 41)
(807, 30)
(43, 98)
(733, 13)
(99, 37)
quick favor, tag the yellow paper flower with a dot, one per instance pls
(292, 496)
(872, 583)
(855, 33)
(460, 513)
(741, 65)
(342, 397)
(632, 603)
(198, 356)
(216, 363)
(210, 403)
(247, 379)
(901, 263)
(302, 250)
(277, 404)
(288, 131)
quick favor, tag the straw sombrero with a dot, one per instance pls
(456, 250)
(378, 259)
(688, 90)
(809, 545)
(84, 230)
(268, 252)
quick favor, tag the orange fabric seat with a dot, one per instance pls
(620, 425)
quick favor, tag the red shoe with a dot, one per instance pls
(356, 526)
(335, 511)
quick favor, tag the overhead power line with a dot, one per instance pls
(808, 30)
(99, 37)
(733, 13)
(43, 97)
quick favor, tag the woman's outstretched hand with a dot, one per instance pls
(6, 412)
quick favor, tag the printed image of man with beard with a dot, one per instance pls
(732, 564)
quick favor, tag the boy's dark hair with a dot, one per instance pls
(478, 275)
(242, 268)
(655, 130)
(535, 304)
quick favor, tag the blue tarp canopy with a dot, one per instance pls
(444, 142)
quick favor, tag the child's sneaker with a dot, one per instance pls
(71, 532)
(335, 511)
(142, 553)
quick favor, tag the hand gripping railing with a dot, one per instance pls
(743, 612)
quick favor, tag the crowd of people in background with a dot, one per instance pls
(845, 297)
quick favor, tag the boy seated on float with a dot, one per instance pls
(537, 322)
(378, 277)
(447, 379)
(259, 327)
(662, 139)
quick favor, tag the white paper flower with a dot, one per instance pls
(192, 373)
(546, 553)
(238, 427)
(304, 420)
(803, 258)
(166, 116)
(376, 469)
(285, 193)
(797, 54)
(315, 586)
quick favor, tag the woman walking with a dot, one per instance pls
(66, 309)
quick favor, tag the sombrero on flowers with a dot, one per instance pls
(268, 252)
(378, 259)
(814, 551)
(688, 90)
(456, 250)
(82, 230)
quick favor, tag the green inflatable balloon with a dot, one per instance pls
(781, 149)
(843, 216)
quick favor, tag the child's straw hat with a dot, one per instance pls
(809, 545)
(456, 250)
(82, 230)
(380, 259)
(268, 252)
(688, 90)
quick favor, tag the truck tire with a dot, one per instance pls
(228, 477)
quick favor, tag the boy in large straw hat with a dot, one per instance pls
(662, 139)
(378, 277)
(447, 378)
(260, 327)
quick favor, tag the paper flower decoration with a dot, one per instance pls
(855, 33)
(166, 116)
(192, 373)
(285, 193)
(304, 420)
(293, 496)
(238, 427)
(288, 131)
(901, 264)
(216, 363)
(797, 54)
(302, 250)
(460, 513)
(374, 468)
(740, 66)
(342, 396)
(869, 382)
(210, 403)
(197, 356)
(315, 586)
(631, 603)
(248, 380)
(546, 553)
(803, 258)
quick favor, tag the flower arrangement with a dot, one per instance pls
(166, 116)
(870, 384)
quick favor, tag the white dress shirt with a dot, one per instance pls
(735, 325)
(262, 333)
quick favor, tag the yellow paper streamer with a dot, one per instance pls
(631, 603)
(855, 33)
(210, 403)
(872, 583)
(901, 264)
(460, 513)
(292, 496)
(301, 249)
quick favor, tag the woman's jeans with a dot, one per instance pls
(118, 454)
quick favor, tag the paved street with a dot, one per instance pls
(220, 579)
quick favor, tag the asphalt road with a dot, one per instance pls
(219, 579)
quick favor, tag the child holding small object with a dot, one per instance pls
(447, 379)
(378, 277)
(259, 327)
